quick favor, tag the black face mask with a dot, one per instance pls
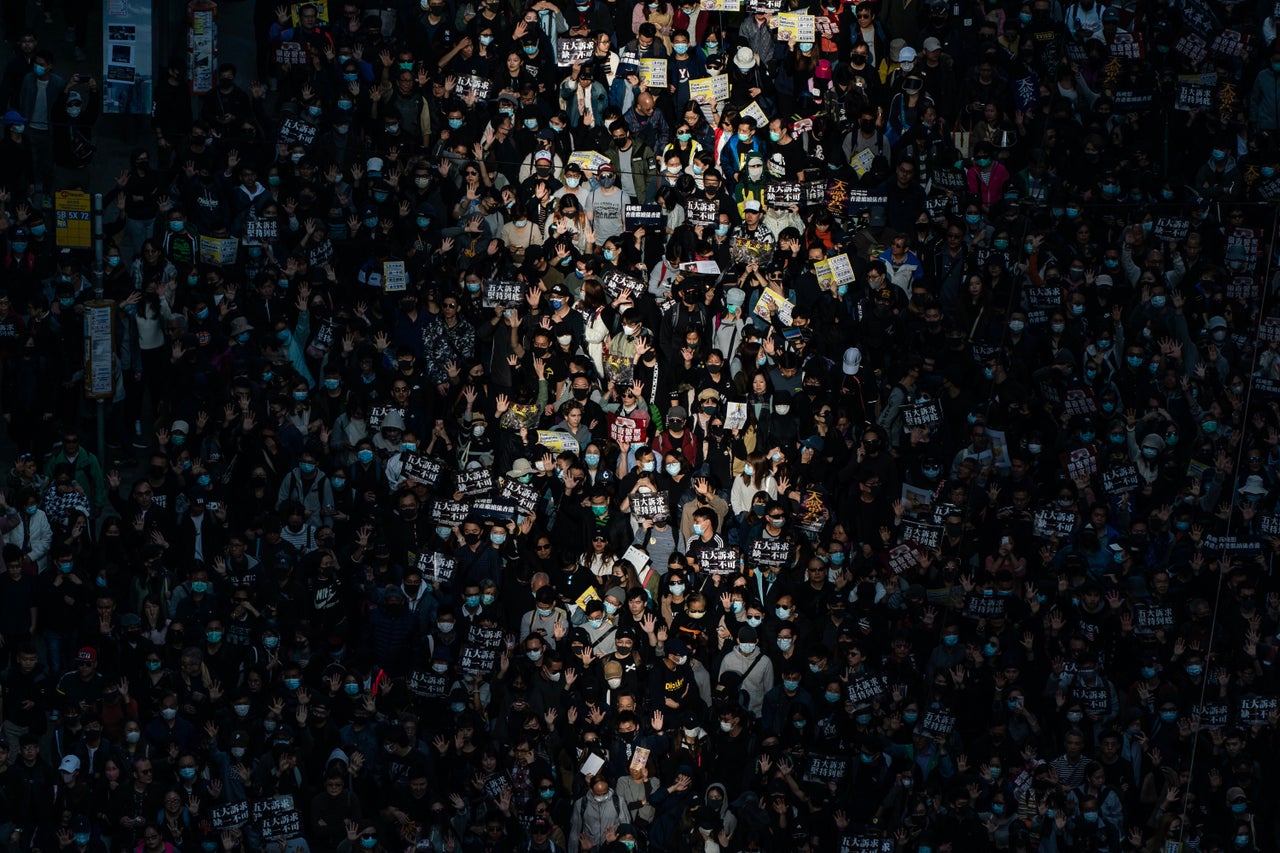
(581, 393)
(157, 470)
(471, 538)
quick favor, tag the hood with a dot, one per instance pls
(724, 796)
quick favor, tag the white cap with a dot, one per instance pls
(852, 361)
(907, 54)
(70, 764)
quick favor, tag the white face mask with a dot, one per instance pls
(614, 683)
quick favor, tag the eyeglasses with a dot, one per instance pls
(451, 305)
(543, 546)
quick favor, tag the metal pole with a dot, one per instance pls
(99, 292)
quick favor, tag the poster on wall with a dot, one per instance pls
(126, 57)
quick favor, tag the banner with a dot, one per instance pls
(126, 57)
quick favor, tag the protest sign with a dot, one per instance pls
(523, 495)
(477, 481)
(481, 650)
(437, 569)
(770, 552)
(627, 431)
(649, 505)
(503, 293)
(422, 468)
(718, 561)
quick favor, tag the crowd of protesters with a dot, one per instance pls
(664, 426)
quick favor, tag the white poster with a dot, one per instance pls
(126, 57)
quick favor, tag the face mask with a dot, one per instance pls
(783, 613)
(747, 648)
(951, 639)
(677, 589)
(599, 511)
(754, 621)
(186, 773)
(214, 637)
(972, 218)
(1194, 669)
(132, 737)
(199, 587)
(169, 713)
(369, 842)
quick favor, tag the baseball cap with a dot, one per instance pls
(751, 204)
(542, 155)
(87, 655)
(70, 764)
(931, 44)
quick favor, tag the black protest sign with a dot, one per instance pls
(1079, 401)
(927, 536)
(293, 130)
(573, 50)
(783, 194)
(718, 561)
(1083, 461)
(1232, 545)
(700, 211)
(646, 215)
(499, 510)
(321, 253)
(437, 569)
(1049, 522)
(616, 283)
(903, 558)
(229, 816)
(478, 481)
(939, 723)
(263, 230)
(1120, 479)
(649, 505)
(1192, 46)
(1269, 330)
(815, 192)
(1133, 100)
(1270, 525)
(822, 769)
(1231, 44)
(523, 495)
(1257, 711)
(1171, 228)
(1212, 715)
(428, 685)
(1044, 297)
(276, 818)
(979, 605)
(948, 179)
(770, 552)
(503, 293)
(867, 688)
(1195, 92)
(865, 844)
(481, 650)
(448, 512)
(812, 513)
(422, 468)
(496, 785)
(1149, 618)
(377, 413)
(923, 414)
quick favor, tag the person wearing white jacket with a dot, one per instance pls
(32, 532)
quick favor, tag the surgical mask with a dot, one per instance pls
(599, 511)
(677, 589)
(186, 773)
(497, 538)
(292, 683)
(1194, 669)
(747, 648)
(169, 713)
(408, 446)
(744, 136)
(369, 842)
(365, 456)
(199, 587)
(783, 613)
(271, 642)
(951, 639)
(214, 637)
(754, 621)
(241, 710)
(972, 218)
(680, 49)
